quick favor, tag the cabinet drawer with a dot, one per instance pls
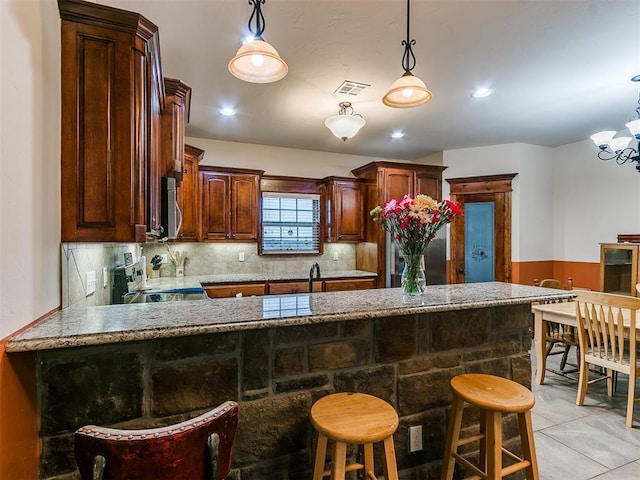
(282, 288)
(231, 290)
(349, 284)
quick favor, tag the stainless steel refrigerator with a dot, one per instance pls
(435, 261)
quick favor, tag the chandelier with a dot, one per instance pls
(345, 124)
(618, 148)
(408, 90)
(256, 60)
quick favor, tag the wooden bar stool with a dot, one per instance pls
(353, 418)
(493, 396)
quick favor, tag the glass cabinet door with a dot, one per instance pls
(619, 268)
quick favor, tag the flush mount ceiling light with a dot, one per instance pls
(227, 111)
(618, 149)
(408, 90)
(481, 93)
(345, 124)
(257, 61)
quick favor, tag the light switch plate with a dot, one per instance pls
(105, 277)
(241, 257)
(415, 438)
(335, 256)
(91, 282)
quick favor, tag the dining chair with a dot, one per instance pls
(560, 335)
(607, 330)
(196, 449)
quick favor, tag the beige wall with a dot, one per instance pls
(29, 161)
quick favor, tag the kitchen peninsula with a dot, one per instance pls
(144, 364)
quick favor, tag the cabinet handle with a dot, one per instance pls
(184, 170)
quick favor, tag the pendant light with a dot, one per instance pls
(408, 90)
(257, 61)
(345, 124)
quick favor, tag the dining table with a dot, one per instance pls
(563, 313)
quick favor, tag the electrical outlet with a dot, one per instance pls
(105, 277)
(91, 282)
(415, 438)
(165, 257)
(335, 256)
(241, 257)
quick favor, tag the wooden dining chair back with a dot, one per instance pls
(199, 448)
(560, 335)
(607, 330)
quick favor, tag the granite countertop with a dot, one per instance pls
(75, 326)
(194, 281)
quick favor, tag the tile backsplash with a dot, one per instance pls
(224, 258)
(201, 259)
(80, 258)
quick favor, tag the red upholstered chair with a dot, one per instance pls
(199, 448)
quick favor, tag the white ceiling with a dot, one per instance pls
(560, 70)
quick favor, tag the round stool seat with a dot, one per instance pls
(354, 418)
(494, 393)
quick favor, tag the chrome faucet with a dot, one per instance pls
(314, 268)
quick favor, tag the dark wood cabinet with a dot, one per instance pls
(384, 181)
(175, 116)
(232, 290)
(348, 284)
(230, 204)
(112, 97)
(343, 202)
(188, 197)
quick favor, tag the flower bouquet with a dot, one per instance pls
(413, 223)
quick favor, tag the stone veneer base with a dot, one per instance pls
(276, 373)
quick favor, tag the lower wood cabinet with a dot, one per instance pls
(285, 287)
(342, 284)
(231, 290)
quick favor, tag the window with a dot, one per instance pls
(290, 223)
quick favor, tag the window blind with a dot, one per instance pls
(290, 223)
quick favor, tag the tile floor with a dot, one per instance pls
(588, 442)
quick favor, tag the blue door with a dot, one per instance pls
(479, 248)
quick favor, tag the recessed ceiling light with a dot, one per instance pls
(481, 93)
(397, 135)
(227, 111)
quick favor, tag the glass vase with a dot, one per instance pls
(413, 280)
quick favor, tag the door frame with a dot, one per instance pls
(488, 188)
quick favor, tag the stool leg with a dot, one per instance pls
(494, 445)
(453, 434)
(482, 457)
(528, 446)
(321, 455)
(390, 467)
(368, 459)
(339, 461)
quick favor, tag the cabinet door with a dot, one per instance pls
(347, 223)
(619, 269)
(215, 188)
(188, 201)
(244, 207)
(339, 285)
(397, 183)
(429, 184)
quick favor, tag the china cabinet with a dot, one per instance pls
(619, 268)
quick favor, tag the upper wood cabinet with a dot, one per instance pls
(175, 116)
(619, 268)
(384, 181)
(112, 96)
(344, 204)
(188, 197)
(230, 203)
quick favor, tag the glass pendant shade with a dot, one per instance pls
(634, 127)
(344, 126)
(258, 62)
(620, 143)
(602, 139)
(407, 91)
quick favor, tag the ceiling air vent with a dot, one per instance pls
(351, 88)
